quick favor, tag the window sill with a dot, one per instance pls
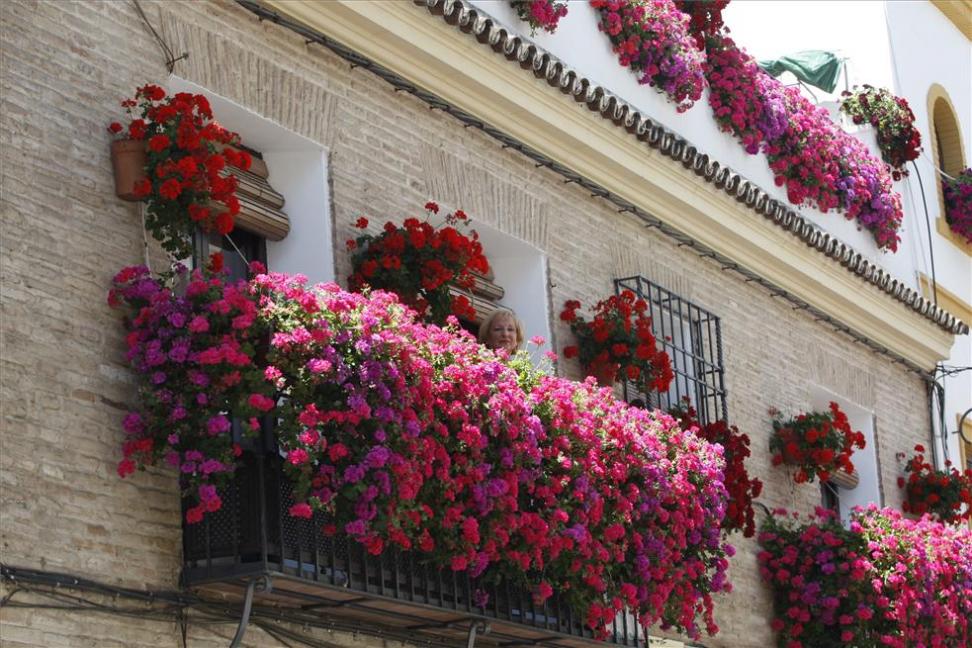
(952, 237)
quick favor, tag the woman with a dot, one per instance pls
(502, 330)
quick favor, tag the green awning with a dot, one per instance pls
(814, 67)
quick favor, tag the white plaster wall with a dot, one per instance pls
(578, 43)
(926, 48)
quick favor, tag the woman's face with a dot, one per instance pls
(502, 334)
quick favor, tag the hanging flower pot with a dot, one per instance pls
(945, 494)
(618, 343)
(172, 154)
(128, 163)
(605, 374)
(817, 444)
(420, 262)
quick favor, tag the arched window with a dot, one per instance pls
(947, 152)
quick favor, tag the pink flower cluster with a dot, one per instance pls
(194, 353)
(958, 203)
(883, 581)
(745, 101)
(402, 434)
(540, 14)
(652, 38)
(811, 157)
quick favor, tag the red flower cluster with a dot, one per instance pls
(818, 443)
(705, 17)
(741, 487)
(893, 120)
(619, 337)
(418, 262)
(187, 185)
(540, 14)
(940, 493)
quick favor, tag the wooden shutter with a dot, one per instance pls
(484, 295)
(260, 204)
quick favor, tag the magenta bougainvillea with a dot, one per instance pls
(957, 193)
(815, 162)
(745, 101)
(651, 37)
(881, 581)
(413, 436)
(540, 14)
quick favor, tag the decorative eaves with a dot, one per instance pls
(610, 107)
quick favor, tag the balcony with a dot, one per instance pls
(253, 539)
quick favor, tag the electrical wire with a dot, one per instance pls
(170, 58)
(931, 248)
(52, 590)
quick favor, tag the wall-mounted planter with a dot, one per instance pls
(128, 163)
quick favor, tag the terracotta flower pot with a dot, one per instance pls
(128, 163)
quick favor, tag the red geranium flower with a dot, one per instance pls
(605, 343)
(817, 443)
(186, 175)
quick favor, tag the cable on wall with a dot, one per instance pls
(170, 58)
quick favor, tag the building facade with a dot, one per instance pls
(575, 177)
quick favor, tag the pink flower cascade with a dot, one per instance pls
(540, 14)
(401, 434)
(884, 581)
(958, 203)
(817, 163)
(194, 353)
(652, 38)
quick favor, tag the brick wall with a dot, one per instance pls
(64, 383)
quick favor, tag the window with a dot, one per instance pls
(843, 494)
(517, 281)
(288, 176)
(239, 248)
(947, 152)
(693, 340)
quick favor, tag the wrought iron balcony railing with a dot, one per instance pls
(252, 538)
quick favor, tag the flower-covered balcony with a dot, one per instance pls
(329, 579)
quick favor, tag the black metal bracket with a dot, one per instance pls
(961, 424)
(265, 585)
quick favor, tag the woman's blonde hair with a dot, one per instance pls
(497, 314)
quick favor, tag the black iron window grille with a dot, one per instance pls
(692, 337)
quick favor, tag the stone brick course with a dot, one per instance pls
(64, 383)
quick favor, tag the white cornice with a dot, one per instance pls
(403, 38)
